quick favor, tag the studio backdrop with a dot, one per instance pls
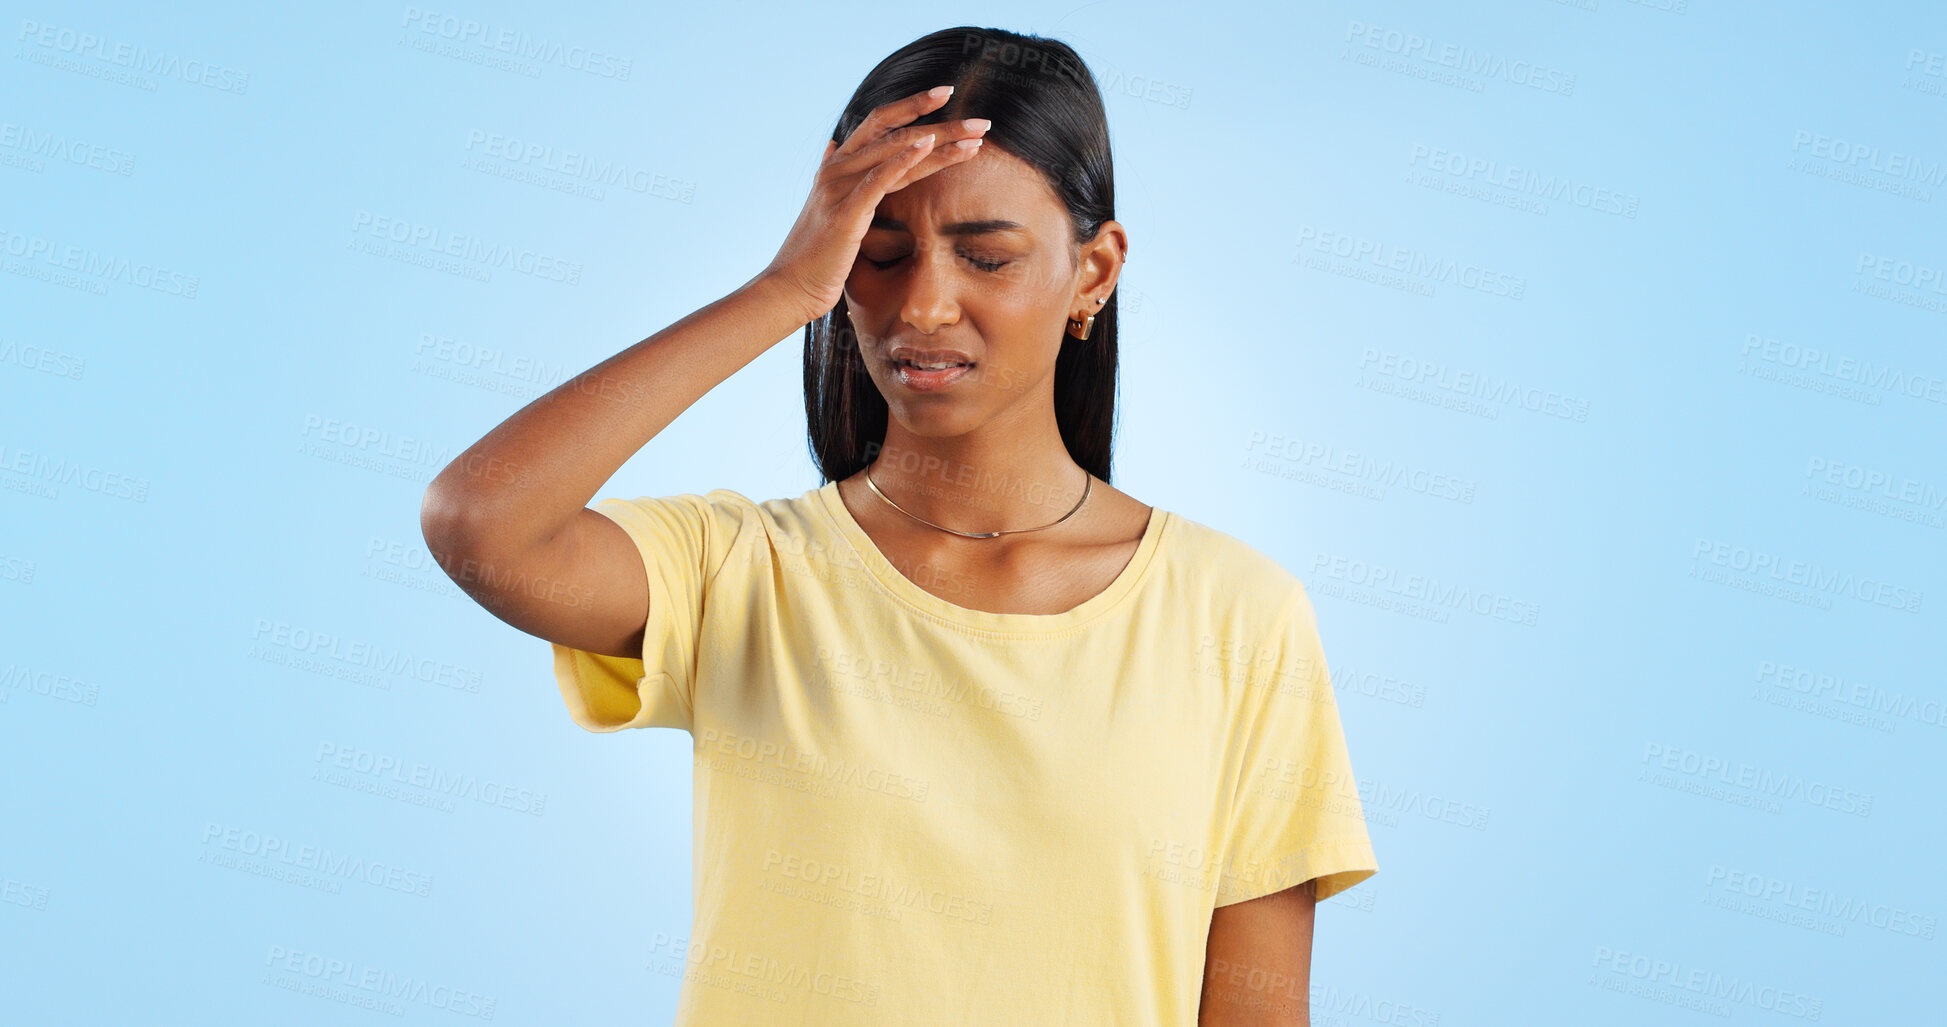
(1583, 359)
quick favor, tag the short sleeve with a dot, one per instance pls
(1295, 812)
(684, 541)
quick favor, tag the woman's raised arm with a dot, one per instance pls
(508, 519)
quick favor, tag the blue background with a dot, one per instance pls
(1639, 654)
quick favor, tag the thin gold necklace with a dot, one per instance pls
(1087, 486)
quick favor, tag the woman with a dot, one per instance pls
(980, 739)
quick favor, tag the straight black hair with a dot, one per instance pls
(1046, 110)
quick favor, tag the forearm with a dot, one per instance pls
(527, 478)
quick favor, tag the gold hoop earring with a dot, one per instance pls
(1086, 322)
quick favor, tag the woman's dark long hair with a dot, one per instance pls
(1047, 110)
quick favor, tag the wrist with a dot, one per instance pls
(773, 300)
(771, 290)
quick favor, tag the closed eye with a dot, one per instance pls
(981, 264)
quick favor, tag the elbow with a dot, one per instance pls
(465, 532)
(449, 522)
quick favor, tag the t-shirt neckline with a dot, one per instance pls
(882, 569)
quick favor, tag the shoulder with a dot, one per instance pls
(1220, 564)
(716, 521)
(1260, 615)
(724, 506)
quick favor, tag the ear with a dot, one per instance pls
(1101, 266)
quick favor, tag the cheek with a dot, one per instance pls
(1000, 306)
(872, 301)
(861, 301)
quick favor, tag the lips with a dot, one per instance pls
(929, 381)
(912, 356)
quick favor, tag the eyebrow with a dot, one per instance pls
(985, 226)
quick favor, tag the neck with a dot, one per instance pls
(964, 483)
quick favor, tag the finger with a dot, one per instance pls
(896, 140)
(940, 157)
(886, 116)
(876, 183)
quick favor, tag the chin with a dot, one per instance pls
(934, 418)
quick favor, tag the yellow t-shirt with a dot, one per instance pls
(912, 812)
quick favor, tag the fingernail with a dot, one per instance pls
(977, 124)
(938, 91)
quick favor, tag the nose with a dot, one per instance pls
(929, 301)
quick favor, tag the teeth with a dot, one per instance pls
(933, 365)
